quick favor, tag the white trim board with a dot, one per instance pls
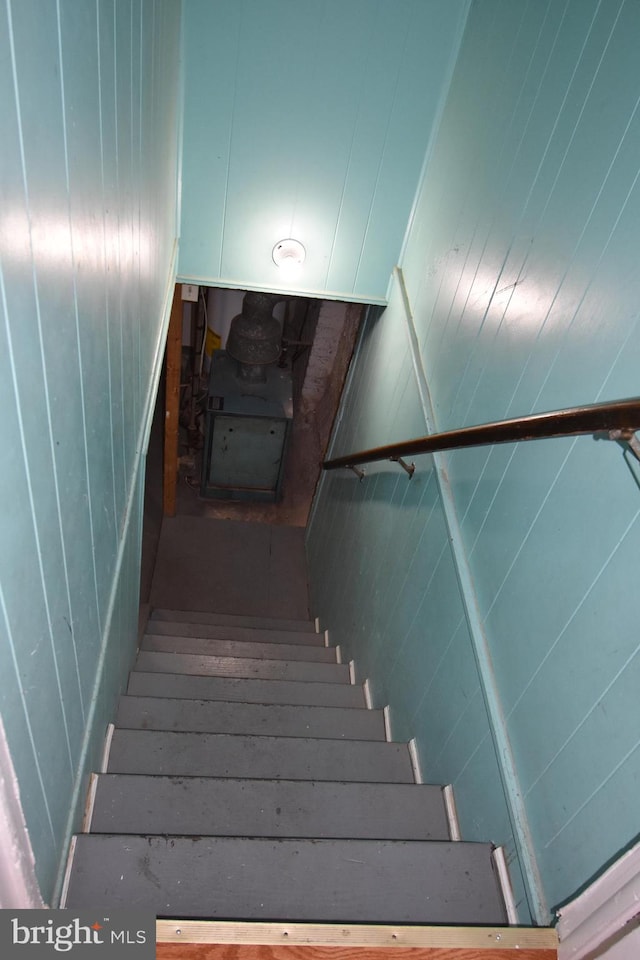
(415, 763)
(452, 812)
(18, 884)
(500, 864)
(601, 912)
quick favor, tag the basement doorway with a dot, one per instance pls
(318, 338)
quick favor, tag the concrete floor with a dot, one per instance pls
(231, 566)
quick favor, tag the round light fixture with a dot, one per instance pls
(288, 253)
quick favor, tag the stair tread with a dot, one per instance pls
(260, 757)
(246, 779)
(240, 878)
(214, 716)
(301, 692)
(233, 619)
(201, 665)
(218, 631)
(267, 808)
(208, 646)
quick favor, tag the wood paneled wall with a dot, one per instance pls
(89, 107)
(522, 280)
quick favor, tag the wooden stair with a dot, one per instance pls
(247, 780)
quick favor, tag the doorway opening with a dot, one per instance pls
(317, 342)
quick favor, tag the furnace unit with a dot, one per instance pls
(249, 408)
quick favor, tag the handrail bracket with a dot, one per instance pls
(409, 468)
(360, 474)
(627, 435)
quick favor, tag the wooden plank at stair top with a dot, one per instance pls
(219, 631)
(166, 753)
(258, 719)
(206, 646)
(332, 880)
(283, 951)
(154, 662)
(232, 619)
(268, 808)
(245, 691)
(229, 940)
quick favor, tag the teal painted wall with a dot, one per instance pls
(308, 120)
(521, 275)
(383, 580)
(90, 116)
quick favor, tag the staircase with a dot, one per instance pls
(247, 779)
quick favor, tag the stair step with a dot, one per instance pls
(296, 880)
(268, 808)
(208, 647)
(232, 619)
(245, 691)
(166, 753)
(152, 661)
(275, 720)
(301, 693)
(217, 631)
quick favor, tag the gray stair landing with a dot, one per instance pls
(206, 646)
(152, 661)
(245, 691)
(268, 808)
(276, 720)
(346, 881)
(165, 753)
(233, 620)
(247, 634)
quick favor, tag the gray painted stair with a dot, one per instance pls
(245, 691)
(273, 720)
(203, 665)
(269, 758)
(273, 879)
(221, 632)
(246, 779)
(209, 647)
(231, 619)
(204, 806)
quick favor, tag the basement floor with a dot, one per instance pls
(230, 566)
(239, 558)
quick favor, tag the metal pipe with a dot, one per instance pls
(573, 421)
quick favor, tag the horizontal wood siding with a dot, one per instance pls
(308, 120)
(89, 105)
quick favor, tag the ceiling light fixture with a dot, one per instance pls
(288, 253)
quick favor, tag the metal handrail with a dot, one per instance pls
(618, 419)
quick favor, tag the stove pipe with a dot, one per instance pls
(255, 337)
